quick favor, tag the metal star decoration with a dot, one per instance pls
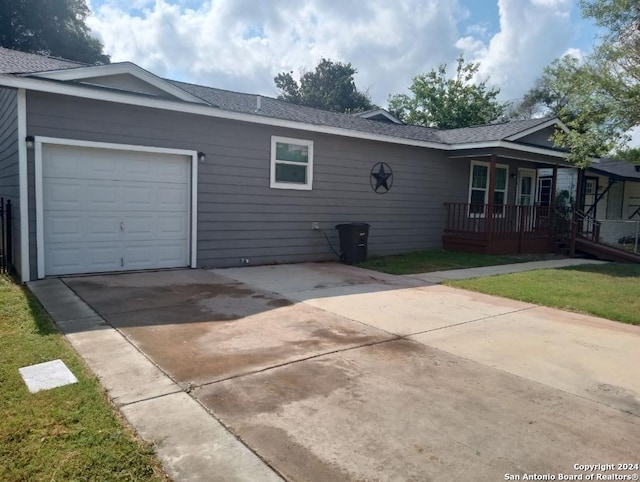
(381, 177)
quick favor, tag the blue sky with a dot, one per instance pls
(242, 44)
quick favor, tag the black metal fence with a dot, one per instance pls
(6, 236)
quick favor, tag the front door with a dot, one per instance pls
(526, 195)
(526, 187)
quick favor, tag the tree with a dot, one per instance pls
(50, 27)
(438, 101)
(597, 97)
(330, 87)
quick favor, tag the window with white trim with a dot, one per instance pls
(291, 163)
(479, 188)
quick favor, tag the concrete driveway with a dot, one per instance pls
(328, 372)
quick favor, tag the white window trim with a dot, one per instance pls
(289, 185)
(486, 190)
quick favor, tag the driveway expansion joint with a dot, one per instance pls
(440, 328)
(127, 404)
(312, 357)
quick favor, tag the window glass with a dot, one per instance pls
(479, 177)
(290, 173)
(292, 152)
(501, 178)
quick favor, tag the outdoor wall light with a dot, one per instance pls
(31, 142)
(202, 157)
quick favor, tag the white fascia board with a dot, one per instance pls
(210, 111)
(555, 121)
(87, 73)
(509, 145)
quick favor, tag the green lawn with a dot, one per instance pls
(439, 260)
(609, 290)
(70, 432)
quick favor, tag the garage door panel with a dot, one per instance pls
(170, 254)
(111, 210)
(64, 227)
(139, 256)
(62, 194)
(101, 197)
(75, 163)
(172, 226)
(140, 227)
(171, 172)
(70, 258)
(139, 197)
(172, 198)
(64, 259)
(102, 228)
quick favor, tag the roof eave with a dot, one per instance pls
(95, 93)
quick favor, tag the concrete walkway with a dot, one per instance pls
(330, 372)
(454, 274)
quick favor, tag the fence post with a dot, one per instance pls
(3, 249)
(8, 237)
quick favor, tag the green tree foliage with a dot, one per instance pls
(630, 154)
(50, 27)
(330, 87)
(438, 101)
(597, 97)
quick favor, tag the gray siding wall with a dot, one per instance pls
(9, 163)
(239, 216)
(540, 138)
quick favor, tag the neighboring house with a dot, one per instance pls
(610, 193)
(112, 168)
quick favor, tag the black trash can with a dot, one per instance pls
(353, 242)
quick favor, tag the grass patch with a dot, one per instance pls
(440, 260)
(609, 290)
(70, 432)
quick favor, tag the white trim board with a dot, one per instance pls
(25, 265)
(89, 92)
(40, 141)
(128, 68)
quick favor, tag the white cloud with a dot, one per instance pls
(242, 44)
(532, 33)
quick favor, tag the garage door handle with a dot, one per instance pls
(121, 226)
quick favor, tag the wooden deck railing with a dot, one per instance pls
(507, 221)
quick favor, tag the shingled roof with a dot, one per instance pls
(491, 132)
(14, 62)
(616, 169)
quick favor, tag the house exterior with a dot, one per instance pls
(609, 193)
(111, 168)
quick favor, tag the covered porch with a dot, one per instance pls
(507, 211)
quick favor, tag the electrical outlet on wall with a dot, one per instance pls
(315, 225)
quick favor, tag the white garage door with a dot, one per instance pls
(109, 210)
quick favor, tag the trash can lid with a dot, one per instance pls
(352, 225)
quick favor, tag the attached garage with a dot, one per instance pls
(107, 208)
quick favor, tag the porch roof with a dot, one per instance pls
(616, 169)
